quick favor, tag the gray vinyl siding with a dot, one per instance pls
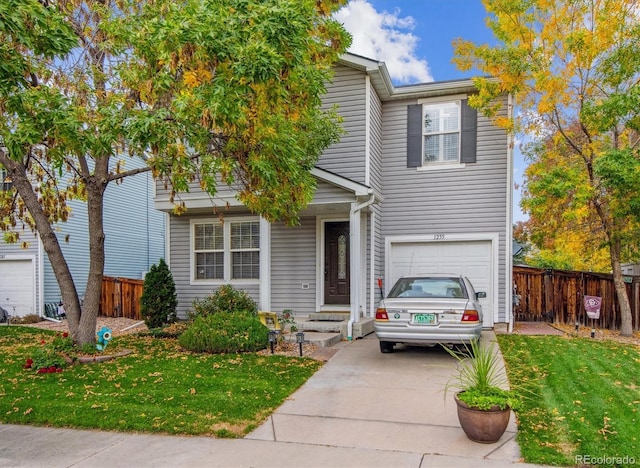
(223, 193)
(74, 243)
(180, 266)
(293, 263)
(134, 235)
(375, 143)
(13, 250)
(378, 248)
(329, 193)
(375, 227)
(347, 157)
(472, 199)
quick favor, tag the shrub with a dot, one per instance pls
(30, 318)
(225, 299)
(225, 332)
(50, 356)
(159, 300)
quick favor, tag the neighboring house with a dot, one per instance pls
(632, 269)
(134, 241)
(394, 197)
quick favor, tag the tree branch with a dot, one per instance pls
(122, 175)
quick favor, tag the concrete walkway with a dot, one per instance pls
(362, 409)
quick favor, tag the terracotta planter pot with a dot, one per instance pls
(483, 426)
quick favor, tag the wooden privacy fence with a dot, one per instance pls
(121, 297)
(555, 295)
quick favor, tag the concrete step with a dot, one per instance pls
(329, 316)
(322, 340)
(360, 329)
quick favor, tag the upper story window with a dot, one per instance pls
(441, 133)
(226, 252)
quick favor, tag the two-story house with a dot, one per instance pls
(420, 182)
(135, 240)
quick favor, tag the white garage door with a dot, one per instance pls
(17, 287)
(473, 259)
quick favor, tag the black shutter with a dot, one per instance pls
(414, 135)
(469, 133)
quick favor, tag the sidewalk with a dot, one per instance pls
(362, 409)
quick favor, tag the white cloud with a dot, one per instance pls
(386, 37)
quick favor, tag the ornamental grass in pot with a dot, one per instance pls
(484, 404)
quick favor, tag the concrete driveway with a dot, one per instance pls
(390, 402)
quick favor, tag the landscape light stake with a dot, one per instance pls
(272, 339)
(300, 340)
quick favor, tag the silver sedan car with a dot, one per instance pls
(429, 310)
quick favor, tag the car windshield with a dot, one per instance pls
(429, 287)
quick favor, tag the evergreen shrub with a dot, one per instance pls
(159, 299)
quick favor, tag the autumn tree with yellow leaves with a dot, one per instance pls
(573, 68)
(202, 90)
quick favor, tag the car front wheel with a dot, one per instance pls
(386, 347)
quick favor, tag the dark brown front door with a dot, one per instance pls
(336, 263)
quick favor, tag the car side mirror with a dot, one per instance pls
(481, 295)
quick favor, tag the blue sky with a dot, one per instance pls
(414, 38)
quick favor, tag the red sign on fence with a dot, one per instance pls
(592, 305)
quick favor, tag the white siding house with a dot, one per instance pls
(419, 183)
(134, 240)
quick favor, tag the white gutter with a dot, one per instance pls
(354, 221)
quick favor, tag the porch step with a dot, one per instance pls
(333, 324)
(322, 340)
(329, 316)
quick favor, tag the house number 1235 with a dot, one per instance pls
(438, 237)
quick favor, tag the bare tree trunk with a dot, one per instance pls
(96, 186)
(626, 328)
(22, 184)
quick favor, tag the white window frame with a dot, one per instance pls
(226, 233)
(5, 182)
(440, 162)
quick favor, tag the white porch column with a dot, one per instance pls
(357, 254)
(265, 265)
(355, 259)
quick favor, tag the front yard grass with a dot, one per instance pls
(581, 399)
(158, 388)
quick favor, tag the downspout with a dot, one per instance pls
(355, 210)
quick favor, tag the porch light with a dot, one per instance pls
(273, 336)
(300, 340)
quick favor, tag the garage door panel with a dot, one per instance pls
(473, 259)
(17, 287)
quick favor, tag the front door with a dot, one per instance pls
(336, 263)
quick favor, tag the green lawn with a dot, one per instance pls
(158, 388)
(582, 399)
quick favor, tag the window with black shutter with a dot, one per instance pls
(441, 133)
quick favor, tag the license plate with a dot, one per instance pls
(424, 319)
